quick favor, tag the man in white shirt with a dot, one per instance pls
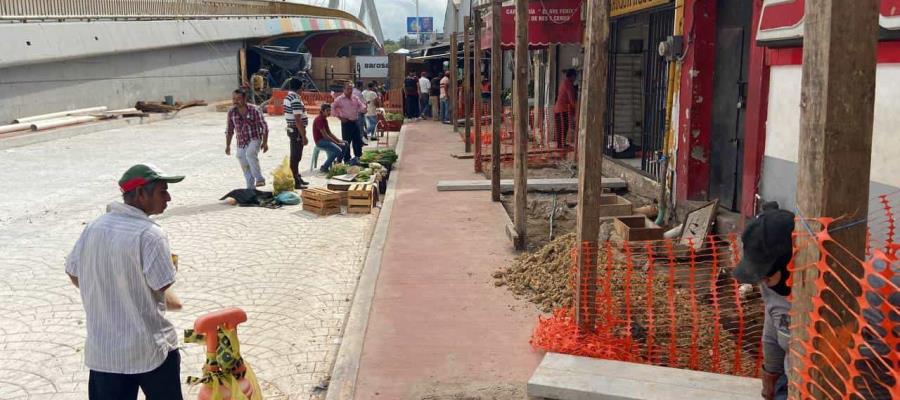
(445, 106)
(370, 97)
(424, 88)
(122, 265)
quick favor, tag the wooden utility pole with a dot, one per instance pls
(590, 159)
(467, 79)
(496, 98)
(454, 88)
(837, 112)
(520, 114)
(477, 85)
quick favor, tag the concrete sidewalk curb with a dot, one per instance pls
(29, 138)
(346, 364)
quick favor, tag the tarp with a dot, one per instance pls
(550, 22)
(285, 59)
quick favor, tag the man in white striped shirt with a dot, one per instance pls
(295, 116)
(122, 265)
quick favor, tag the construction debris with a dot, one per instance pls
(159, 107)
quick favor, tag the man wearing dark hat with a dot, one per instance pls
(768, 248)
(122, 265)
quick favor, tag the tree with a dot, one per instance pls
(390, 46)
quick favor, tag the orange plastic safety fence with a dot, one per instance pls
(852, 350)
(669, 303)
(544, 148)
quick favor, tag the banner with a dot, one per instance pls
(416, 25)
(372, 66)
(622, 7)
(549, 22)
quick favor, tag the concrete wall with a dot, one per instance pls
(779, 180)
(207, 71)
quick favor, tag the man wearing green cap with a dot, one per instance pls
(122, 266)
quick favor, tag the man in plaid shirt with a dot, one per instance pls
(252, 135)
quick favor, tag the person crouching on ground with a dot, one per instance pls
(295, 116)
(348, 107)
(252, 135)
(122, 265)
(768, 249)
(325, 140)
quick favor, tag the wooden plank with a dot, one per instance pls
(590, 158)
(561, 376)
(454, 91)
(534, 185)
(467, 82)
(496, 99)
(520, 117)
(837, 112)
(476, 83)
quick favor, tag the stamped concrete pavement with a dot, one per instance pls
(292, 272)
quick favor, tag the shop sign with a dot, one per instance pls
(372, 67)
(549, 22)
(622, 7)
(781, 21)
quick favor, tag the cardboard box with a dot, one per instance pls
(637, 228)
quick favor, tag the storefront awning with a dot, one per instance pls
(781, 22)
(550, 22)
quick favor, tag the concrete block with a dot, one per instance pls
(534, 185)
(565, 377)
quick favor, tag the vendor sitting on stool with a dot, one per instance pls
(325, 140)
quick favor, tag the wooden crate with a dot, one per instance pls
(612, 205)
(360, 198)
(637, 228)
(321, 201)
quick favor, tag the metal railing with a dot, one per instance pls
(64, 8)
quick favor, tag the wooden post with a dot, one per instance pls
(242, 55)
(467, 81)
(539, 86)
(837, 112)
(590, 158)
(476, 64)
(496, 98)
(454, 60)
(520, 115)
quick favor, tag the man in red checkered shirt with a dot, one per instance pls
(252, 135)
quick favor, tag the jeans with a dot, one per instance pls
(249, 159)
(163, 383)
(445, 110)
(372, 122)
(781, 388)
(424, 107)
(296, 152)
(412, 106)
(334, 151)
(361, 121)
(351, 134)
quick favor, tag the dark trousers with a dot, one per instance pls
(412, 106)
(296, 152)
(562, 129)
(163, 383)
(350, 133)
(424, 107)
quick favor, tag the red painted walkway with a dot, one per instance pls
(437, 320)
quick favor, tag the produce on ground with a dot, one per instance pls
(337, 169)
(382, 157)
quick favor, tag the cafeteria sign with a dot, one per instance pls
(622, 7)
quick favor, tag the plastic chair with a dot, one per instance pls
(314, 159)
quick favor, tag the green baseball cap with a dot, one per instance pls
(142, 174)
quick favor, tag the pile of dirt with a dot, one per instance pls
(542, 277)
(660, 313)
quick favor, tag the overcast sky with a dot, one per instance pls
(393, 13)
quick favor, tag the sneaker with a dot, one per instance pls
(323, 170)
(300, 185)
(302, 182)
(261, 183)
